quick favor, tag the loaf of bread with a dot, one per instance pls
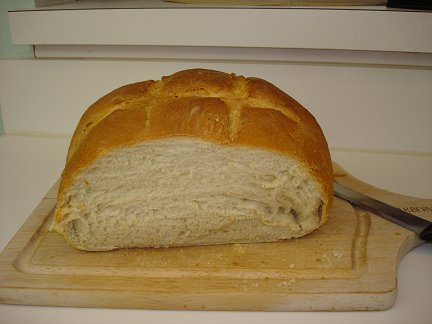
(197, 158)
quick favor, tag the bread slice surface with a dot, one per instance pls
(184, 191)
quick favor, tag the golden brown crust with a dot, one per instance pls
(206, 118)
(210, 105)
(123, 97)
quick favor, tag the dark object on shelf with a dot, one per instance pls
(410, 4)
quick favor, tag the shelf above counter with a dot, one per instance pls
(157, 23)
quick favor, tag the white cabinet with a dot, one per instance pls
(158, 23)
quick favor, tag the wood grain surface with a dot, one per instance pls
(348, 264)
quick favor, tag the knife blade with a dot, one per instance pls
(420, 226)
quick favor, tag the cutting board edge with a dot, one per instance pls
(370, 301)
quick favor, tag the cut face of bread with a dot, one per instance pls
(185, 191)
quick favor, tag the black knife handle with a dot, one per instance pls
(426, 235)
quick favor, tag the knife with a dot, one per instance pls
(420, 226)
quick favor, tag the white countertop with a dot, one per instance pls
(30, 165)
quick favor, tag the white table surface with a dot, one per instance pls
(30, 165)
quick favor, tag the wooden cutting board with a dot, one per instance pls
(348, 264)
